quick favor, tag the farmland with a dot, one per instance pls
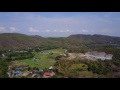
(42, 60)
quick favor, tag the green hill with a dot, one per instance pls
(16, 40)
(8, 40)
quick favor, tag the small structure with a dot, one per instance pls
(25, 73)
(36, 75)
(17, 72)
(62, 58)
(9, 73)
(64, 55)
(3, 55)
(40, 70)
(35, 71)
(48, 74)
(50, 67)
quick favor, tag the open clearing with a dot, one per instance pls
(43, 60)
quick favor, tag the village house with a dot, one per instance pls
(50, 67)
(62, 58)
(40, 70)
(26, 73)
(48, 74)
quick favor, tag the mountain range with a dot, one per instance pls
(14, 40)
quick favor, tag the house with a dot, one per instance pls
(40, 70)
(62, 58)
(50, 67)
(36, 75)
(48, 74)
(25, 73)
(9, 73)
(35, 71)
(17, 72)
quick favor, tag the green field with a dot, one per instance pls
(84, 71)
(44, 60)
(80, 66)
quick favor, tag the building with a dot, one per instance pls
(50, 67)
(48, 74)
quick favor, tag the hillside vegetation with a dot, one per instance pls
(16, 40)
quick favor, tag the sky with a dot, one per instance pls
(60, 24)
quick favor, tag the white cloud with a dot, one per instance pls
(84, 30)
(13, 29)
(55, 30)
(63, 30)
(47, 30)
(67, 30)
(33, 30)
(2, 29)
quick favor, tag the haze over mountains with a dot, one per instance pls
(22, 40)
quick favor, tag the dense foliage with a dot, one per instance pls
(99, 67)
(3, 69)
(18, 56)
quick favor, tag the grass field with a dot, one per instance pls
(80, 66)
(44, 60)
(84, 71)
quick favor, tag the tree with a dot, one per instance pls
(58, 57)
(3, 69)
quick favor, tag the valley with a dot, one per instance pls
(76, 56)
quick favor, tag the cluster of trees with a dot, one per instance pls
(19, 56)
(44, 47)
(58, 57)
(3, 69)
(100, 67)
(78, 50)
(64, 68)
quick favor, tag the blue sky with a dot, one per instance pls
(60, 24)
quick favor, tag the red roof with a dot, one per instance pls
(62, 58)
(48, 73)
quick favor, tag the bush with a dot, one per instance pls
(3, 70)
(58, 57)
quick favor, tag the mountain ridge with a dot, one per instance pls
(96, 38)
(22, 40)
